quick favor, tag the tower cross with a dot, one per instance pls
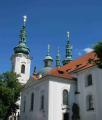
(24, 19)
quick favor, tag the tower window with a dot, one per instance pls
(32, 102)
(65, 97)
(23, 69)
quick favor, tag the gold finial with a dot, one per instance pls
(48, 49)
(58, 51)
(24, 19)
(68, 34)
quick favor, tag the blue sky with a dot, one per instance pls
(48, 21)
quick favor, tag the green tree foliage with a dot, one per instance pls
(9, 93)
(98, 51)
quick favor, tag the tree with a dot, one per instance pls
(98, 51)
(9, 93)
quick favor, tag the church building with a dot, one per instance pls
(69, 92)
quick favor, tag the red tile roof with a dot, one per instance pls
(57, 72)
(81, 63)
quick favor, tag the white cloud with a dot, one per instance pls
(87, 50)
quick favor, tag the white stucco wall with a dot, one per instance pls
(39, 89)
(95, 89)
(56, 87)
(52, 88)
(17, 61)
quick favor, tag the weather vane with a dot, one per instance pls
(24, 19)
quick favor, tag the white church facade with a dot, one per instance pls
(69, 92)
(53, 95)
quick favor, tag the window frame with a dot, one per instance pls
(65, 97)
(32, 102)
(42, 104)
(24, 104)
(89, 80)
(90, 102)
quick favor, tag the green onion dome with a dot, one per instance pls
(21, 48)
(48, 57)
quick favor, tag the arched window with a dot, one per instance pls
(89, 80)
(23, 69)
(32, 102)
(65, 97)
(90, 102)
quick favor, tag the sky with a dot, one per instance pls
(47, 23)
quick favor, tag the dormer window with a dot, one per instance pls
(60, 72)
(78, 65)
(23, 69)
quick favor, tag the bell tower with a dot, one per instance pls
(21, 59)
(68, 56)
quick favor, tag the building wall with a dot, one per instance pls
(52, 89)
(38, 88)
(98, 88)
(95, 89)
(56, 108)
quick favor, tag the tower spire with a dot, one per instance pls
(23, 34)
(68, 57)
(58, 64)
(48, 53)
(22, 47)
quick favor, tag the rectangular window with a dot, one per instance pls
(24, 104)
(42, 102)
(89, 80)
(32, 102)
(90, 104)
